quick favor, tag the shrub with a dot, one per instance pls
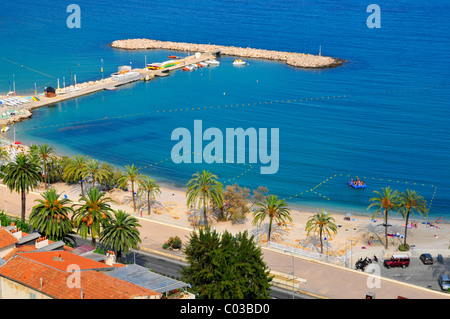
(403, 247)
(173, 243)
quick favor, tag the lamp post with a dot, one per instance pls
(134, 251)
(293, 270)
(351, 251)
(5, 198)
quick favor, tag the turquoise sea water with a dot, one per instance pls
(382, 116)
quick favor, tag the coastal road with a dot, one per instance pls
(171, 267)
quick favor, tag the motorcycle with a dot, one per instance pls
(361, 264)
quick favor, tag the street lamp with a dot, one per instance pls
(293, 270)
(134, 251)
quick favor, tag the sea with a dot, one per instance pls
(383, 116)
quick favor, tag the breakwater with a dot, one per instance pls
(294, 59)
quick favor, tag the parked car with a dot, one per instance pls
(401, 260)
(444, 282)
(426, 259)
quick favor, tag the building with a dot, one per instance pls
(62, 275)
(33, 267)
(50, 92)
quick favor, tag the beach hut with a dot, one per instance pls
(50, 92)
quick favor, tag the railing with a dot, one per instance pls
(338, 260)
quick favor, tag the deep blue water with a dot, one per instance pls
(382, 116)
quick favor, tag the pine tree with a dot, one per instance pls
(226, 266)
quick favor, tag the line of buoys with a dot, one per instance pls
(165, 111)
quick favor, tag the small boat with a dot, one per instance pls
(174, 57)
(203, 64)
(149, 77)
(154, 66)
(213, 62)
(189, 68)
(356, 186)
(5, 128)
(239, 62)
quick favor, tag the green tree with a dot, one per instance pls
(45, 153)
(226, 266)
(236, 202)
(411, 202)
(92, 214)
(96, 171)
(121, 233)
(22, 175)
(148, 188)
(273, 208)
(51, 215)
(4, 156)
(321, 223)
(259, 195)
(387, 200)
(202, 188)
(132, 176)
(76, 169)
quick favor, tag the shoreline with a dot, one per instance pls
(294, 59)
(333, 209)
(361, 229)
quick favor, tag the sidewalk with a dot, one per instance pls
(311, 277)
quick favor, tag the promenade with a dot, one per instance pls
(315, 278)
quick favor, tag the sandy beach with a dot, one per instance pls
(354, 234)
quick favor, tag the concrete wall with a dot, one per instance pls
(12, 290)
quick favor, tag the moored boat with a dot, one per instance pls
(239, 62)
(213, 62)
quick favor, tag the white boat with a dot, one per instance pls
(213, 62)
(188, 68)
(239, 62)
(203, 64)
(5, 128)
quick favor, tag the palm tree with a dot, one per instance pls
(323, 223)
(51, 215)
(411, 202)
(121, 233)
(97, 172)
(4, 156)
(387, 200)
(76, 169)
(273, 208)
(203, 187)
(132, 175)
(91, 216)
(22, 175)
(150, 188)
(44, 151)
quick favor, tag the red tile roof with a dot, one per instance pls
(62, 259)
(95, 285)
(6, 239)
(19, 249)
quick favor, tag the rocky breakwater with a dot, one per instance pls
(24, 114)
(300, 60)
